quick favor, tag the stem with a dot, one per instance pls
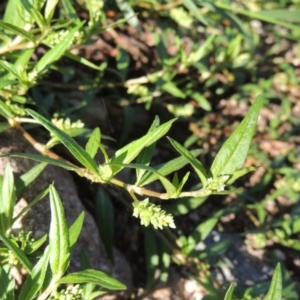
(132, 189)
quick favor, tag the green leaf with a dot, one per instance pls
(196, 164)
(44, 159)
(171, 191)
(49, 10)
(167, 168)
(17, 30)
(84, 61)
(202, 231)
(237, 174)
(105, 219)
(27, 207)
(75, 230)
(172, 89)
(129, 152)
(36, 245)
(182, 183)
(70, 11)
(18, 253)
(25, 179)
(275, 290)
(145, 155)
(5, 111)
(229, 293)
(232, 155)
(10, 68)
(6, 285)
(34, 14)
(93, 143)
(55, 53)
(58, 236)
(93, 276)
(79, 153)
(192, 7)
(185, 205)
(35, 280)
(7, 200)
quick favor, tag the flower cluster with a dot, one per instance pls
(151, 213)
(72, 292)
(217, 184)
(54, 38)
(65, 124)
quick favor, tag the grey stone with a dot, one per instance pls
(37, 218)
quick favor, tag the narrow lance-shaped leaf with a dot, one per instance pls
(93, 276)
(167, 168)
(129, 152)
(79, 153)
(35, 280)
(275, 290)
(233, 153)
(58, 236)
(229, 293)
(44, 159)
(105, 220)
(24, 180)
(196, 164)
(145, 155)
(17, 30)
(93, 143)
(7, 200)
(75, 230)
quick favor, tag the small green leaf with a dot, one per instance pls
(105, 219)
(93, 143)
(44, 159)
(182, 183)
(196, 164)
(129, 152)
(167, 168)
(229, 293)
(55, 53)
(18, 253)
(275, 290)
(237, 174)
(25, 179)
(7, 199)
(145, 155)
(93, 276)
(33, 202)
(17, 30)
(172, 89)
(58, 236)
(35, 280)
(232, 155)
(11, 69)
(171, 191)
(79, 153)
(36, 244)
